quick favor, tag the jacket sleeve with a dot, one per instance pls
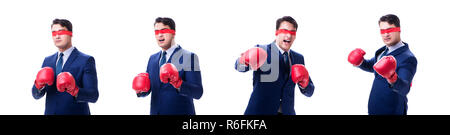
(405, 75)
(192, 83)
(89, 91)
(37, 94)
(240, 67)
(367, 65)
(309, 90)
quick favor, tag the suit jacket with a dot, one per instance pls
(265, 98)
(386, 99)
(82, 68)
(166, 100)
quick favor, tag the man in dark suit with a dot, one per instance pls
(76, 83)
(274, 80)
(394, 66)
(173, 72)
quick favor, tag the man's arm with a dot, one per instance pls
(405, 75)
(367, 65)
(89, 91)
(192, 85)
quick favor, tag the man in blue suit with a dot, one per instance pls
(273, 83)
(174, 75)
(393, 66)
(81, 68)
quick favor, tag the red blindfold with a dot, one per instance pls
(164, 31)
(62, 32)
(285, 32)
(395, 29)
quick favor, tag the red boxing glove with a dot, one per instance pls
(66, 82)
(356, 57)
(141, 83)
(44, 76)
(255, 57)
(300, 75)
(169, 73)
(386, 68)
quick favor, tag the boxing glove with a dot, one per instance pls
(300, 75)
(168, 73)
(141, 83)
(45, 76)
(253, 57)
(66, 82)
(385, 67)
(356, 57)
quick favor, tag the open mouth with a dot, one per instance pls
(161, 40)
(287, 41)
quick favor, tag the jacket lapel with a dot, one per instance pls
(174, 51)
(71, 58)
(379, 51)
(399, 50)
(155, 74)
(394, 53)
(52, 63)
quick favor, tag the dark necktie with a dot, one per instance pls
(59, 64)
(163, 59)
(286, 63)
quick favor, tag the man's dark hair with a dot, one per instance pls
(166, 21)
(287, 19)
(391, 19)
(63, 23)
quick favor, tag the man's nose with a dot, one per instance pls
(288, 35)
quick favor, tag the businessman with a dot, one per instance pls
(173, 75)
(393, 65)
(68, 78)
(276, 71)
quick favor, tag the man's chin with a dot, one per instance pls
(389, 43)
(285, 46)
(59, 46)
(164, 46)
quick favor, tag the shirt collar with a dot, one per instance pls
(67, 52)
(171, 49)
(281, 50)
(396, 46)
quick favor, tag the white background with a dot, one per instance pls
(119, 34)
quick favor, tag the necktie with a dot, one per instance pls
(163, 59)
(286, 58)
(286, 63)
(59, 64)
